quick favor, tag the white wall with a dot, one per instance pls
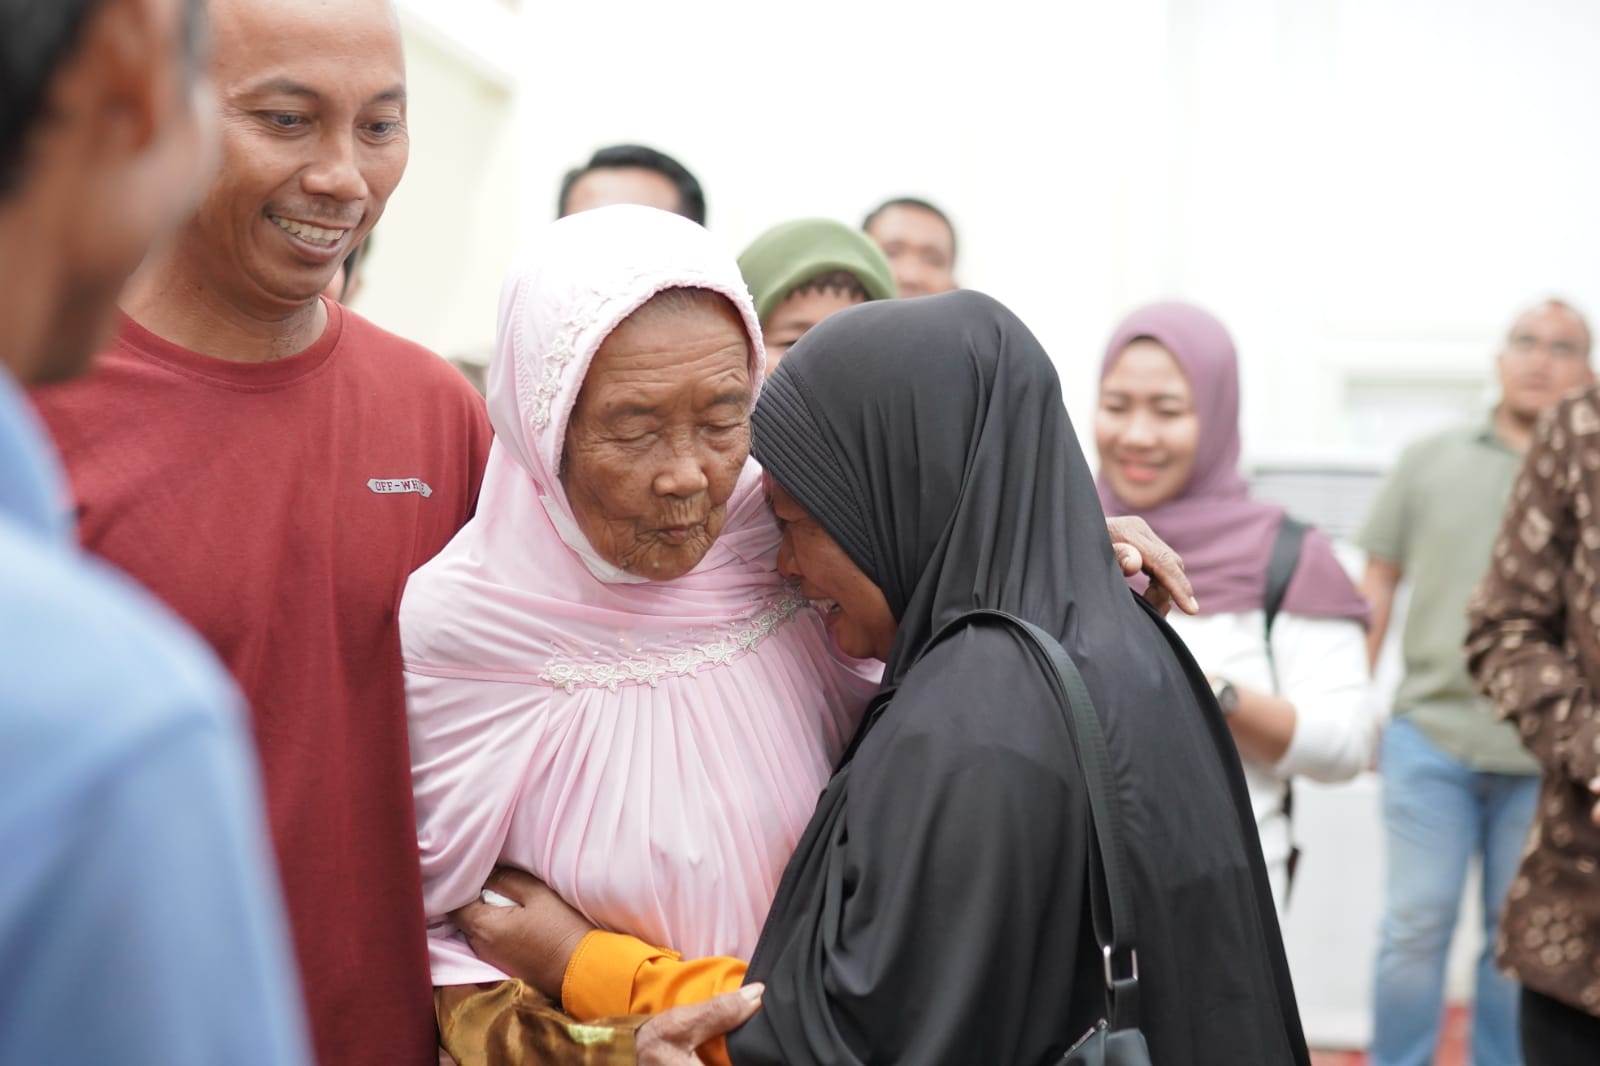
(1384, 182)
(444, 242)
(1365, 190)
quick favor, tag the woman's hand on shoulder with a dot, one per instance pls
(1139, 549)
(532, 935)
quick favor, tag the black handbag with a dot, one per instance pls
(1116, 1039)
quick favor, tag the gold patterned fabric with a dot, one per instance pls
(508, 1023)
(1534, 648)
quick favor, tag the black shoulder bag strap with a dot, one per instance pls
(1110, 905)
(1281, 565)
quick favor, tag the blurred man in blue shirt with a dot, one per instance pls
(140, 920)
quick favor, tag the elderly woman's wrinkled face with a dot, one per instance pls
(660, 433)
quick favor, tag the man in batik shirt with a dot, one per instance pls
(1534, 649)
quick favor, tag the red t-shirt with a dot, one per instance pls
(279, 507)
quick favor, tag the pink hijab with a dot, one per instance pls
(652, 750)
(1224, 537)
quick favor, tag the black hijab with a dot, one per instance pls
(936, 909)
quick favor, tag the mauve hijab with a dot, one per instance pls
(1224, 537)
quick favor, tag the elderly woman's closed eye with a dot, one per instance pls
(660, 433)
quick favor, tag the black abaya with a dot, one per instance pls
(936, 908)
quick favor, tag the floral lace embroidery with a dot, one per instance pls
(543, 390)
(651, 669)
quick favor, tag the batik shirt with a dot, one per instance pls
(1534, 648)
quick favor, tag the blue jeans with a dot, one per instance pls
(1437, 812)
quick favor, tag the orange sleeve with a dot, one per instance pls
(611, 974)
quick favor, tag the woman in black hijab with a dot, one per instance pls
(936, 909)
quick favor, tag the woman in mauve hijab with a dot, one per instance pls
(1167, 429)
(936, 911)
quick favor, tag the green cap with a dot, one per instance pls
(792, 253)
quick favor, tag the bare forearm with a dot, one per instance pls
(1378, 586)
(1378, 629)
(537, 955)
(534, 938)
(1263, 725)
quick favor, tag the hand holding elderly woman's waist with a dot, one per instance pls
(526, 929)
(532, 935)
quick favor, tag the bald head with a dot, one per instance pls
(1558, 313)
(338, 11)
(252, 33)
(1546, 355)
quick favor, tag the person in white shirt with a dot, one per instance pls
(1292, 685)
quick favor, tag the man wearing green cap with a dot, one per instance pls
(801, 272)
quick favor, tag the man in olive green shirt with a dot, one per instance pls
(1456, 780)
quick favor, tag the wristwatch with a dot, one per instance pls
(1227, 696)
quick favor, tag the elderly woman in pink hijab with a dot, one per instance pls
(610, 686)
(1293, 685)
